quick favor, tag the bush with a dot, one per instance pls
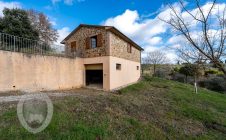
(162, 73)
(215, 84)
(213, 71)
(176, 69)
(178, 77)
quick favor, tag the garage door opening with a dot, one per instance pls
(94, 76)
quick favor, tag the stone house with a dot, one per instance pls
(108, 58)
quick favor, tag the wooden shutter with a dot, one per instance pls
(73, 46)
(99, 40)
(88, 43)
(129, 48)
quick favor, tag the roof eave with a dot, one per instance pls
(110, 28)
(63, 42)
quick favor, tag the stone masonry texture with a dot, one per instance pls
(112, 45)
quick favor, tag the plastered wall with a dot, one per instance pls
(127, 75)
(20, 71)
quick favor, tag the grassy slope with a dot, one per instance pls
(151, 109)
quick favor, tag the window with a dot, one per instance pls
(118, 66)
(137, 67)
(129, 48)
(94, 42)
(73, 46)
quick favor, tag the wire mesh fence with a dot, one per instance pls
(18, 44)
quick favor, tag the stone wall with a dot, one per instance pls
(118, 48)
(112, 45)
(80, 38)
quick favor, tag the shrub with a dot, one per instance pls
(215, 84)
(162, 73)
(178, 77)
(213, 71)
(176, 69)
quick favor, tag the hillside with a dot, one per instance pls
(151, 109)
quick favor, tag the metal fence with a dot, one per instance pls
(18, 44)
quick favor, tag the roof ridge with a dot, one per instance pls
(94, 25)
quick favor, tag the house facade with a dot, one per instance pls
(109, 59)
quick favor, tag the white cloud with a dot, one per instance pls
(127, 22)
(8, 5)
(171, 56)
(144, 32)
(175, 46)
(155, 40)
(131, 24)
(176, 39)
(64, 32)
(218, 8)
(55, 1)
(153, 34)
(53, 23)
(151, 48)
(170, 53)
(48, 7)
(67, 2)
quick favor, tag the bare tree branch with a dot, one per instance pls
(210, 44)
(155, 58)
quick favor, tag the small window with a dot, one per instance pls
(138, 68)
(94, 42)
(129, 48)
(73, 46)
(118, 66)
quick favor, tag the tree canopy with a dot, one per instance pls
(28, 24)
(44, 27)
(16, 22)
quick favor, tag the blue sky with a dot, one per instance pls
(138, 19)
(70, 13)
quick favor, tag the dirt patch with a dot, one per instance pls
(14, 96)
(11, 93)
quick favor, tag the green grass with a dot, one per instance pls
(151, 109)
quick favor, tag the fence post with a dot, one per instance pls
(14, 46)
(41, 48)
(0, 40)
(1, 44)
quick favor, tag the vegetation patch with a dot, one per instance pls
(151, 109)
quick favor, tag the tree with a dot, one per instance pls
(44, 27)
(155, 58)
(188, 54)
(191, 70)
(209, 38)
(187, 71)
(16, 22)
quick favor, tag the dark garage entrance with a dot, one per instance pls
(94, 76)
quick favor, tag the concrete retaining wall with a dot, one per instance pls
(20, 71)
